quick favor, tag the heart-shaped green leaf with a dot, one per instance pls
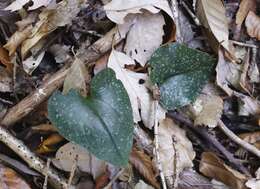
(180, 72)
(102, 122)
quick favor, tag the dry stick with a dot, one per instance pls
(156, 139)
(114, 179)
(45, 184)
(202, 132)
(28, 104)
(238, 140)
(33, 161)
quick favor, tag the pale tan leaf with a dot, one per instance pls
(76, 78)
(253, 25)
(228, 74)
(146, 27)
(244, 7)
(213, 167)
(138, 93)
(50, 20)
(143, 164)
(17, 38)
(30, 19)
(117, 10)
(31, 63)
(207, 109)
(175, 149)
(142, 185)
(212, 16)
(86, 162)
(18, 4)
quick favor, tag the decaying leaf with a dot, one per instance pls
(135, 87)
(212, 16)
(254, 183)
(228, 74)
(5, 60)
(5, 81)
(253, 25)
(145, 27)
(117, 10)
(213, 167)
(49, 20)
(86, 162)
(143, 164)
(31, 63)
(244, 7)
(175, 149)
(207, 109)
(76, 78)
(252, 138)
(142, 185)
(247, 105)
(11, 180)
(18, 4)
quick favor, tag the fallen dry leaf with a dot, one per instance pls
(142, 185)
(207, 109)
(244, 7)
(86, 162)
(146, 27)
(18, 4)
(46, 145)
(31, 63)
(11, 180)
(247, 105)
(213, 167)
(76, 78)
(212, 16)
(253, 25)
(117, 10)
(228, 74)
(143, 164)
(5, 60)
(175, 149)
(139, 95)
(254, 183)
(5, 81)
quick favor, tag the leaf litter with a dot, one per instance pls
(141, 106)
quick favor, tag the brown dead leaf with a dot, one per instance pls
(143, 164)
(11, 180)
(244, 7)
(5, 80)
(101, 63)
(17, 38)
(5, 60)
(102, 181)
(253, 25)
(46, 145)
(213, 167)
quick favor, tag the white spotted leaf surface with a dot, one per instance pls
(180, 72)
(101, 122)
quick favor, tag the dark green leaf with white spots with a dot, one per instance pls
(102, 122)
(180, 72)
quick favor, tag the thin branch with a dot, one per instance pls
(33, 161)
(114, 179)
(88, 55)
(45, 184)
(238, 140)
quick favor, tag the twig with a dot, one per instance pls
(244, 44)
(202, 132)
(72, 171)
(238, 140)
(156, 149)
(193, 16)
(114, 179)
(28, 104)
(33, 161)
(46, 175)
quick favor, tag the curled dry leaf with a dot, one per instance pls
(18, 4)
(253, 25)
(86, 162)
(5, 59)
(11, 180)
(143, 164)
(117, 10)
(212, 16)
(213, 167)
(51, 19)
(208, 110)
(244, 7)
(76, 78)
(145, 27)
(175, 149)
(228, 74)
(133, 82)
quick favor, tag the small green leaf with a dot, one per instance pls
(180, 72)
(102, 122)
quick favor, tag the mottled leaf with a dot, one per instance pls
(180, 72)
(102, 122)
